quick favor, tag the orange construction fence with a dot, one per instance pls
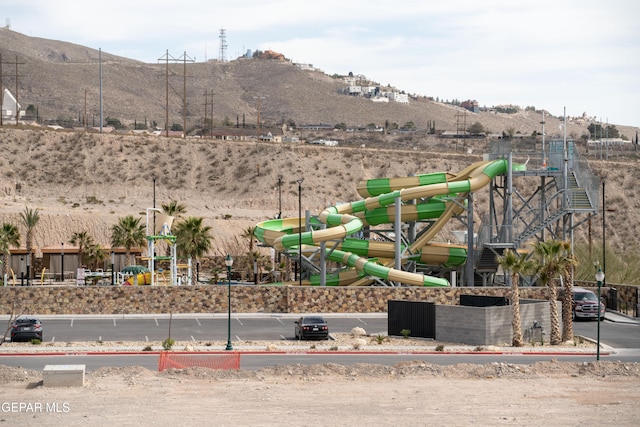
(171, 360)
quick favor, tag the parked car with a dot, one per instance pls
(26, 329)
(311, 327)
(585, 305)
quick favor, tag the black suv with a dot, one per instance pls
(26, 329)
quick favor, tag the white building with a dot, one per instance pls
(9, 108)
(403, 98)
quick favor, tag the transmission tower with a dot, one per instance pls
(223, 45)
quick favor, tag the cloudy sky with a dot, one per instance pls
(582, 55)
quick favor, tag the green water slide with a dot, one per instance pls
(434, 192)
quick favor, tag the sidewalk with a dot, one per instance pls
(617, 317)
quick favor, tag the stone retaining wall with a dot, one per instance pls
(244, 299)
(213, 299)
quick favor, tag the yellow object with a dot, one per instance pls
(142, 278)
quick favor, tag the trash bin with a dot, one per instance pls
(613, 299)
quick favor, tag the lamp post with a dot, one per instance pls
(228, 261)
(300, 230)
(113, 271)
(279, 196)
(62, 262)
(154, 207)
(599, 279)
(279, 205)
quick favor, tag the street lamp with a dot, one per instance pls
(599, 279)
(228, 261)
(300, 230)
(279, 196)
(113, 271)
(279, 204)
(154, 206)
(62, 262)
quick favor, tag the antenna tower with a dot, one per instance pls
(223, 45)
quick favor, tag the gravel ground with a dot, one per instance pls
(329, 394)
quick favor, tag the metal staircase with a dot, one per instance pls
(579, 199)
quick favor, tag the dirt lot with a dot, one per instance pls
(409, 393)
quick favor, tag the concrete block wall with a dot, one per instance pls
(487, 325)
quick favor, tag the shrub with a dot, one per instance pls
(380, 338)
(405, 333)
(168, 343)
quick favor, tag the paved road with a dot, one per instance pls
(192, 328)
(258, 361)
(623, 336)
(616, 334)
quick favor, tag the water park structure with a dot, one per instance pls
(391, 236)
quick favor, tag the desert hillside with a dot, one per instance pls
(83, 181)
(61, 81)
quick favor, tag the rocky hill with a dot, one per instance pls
(86, 181)
(62, 81)
(83, 181)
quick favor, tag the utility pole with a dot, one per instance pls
(84, 117)
(208, 98)
(259, 98)
(16, 63)
(185, 59)
(17, 105)
(2, 91)
(206, 104)
(166, 58)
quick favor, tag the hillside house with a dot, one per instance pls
(10, 107)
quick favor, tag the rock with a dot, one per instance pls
(359, 343)
(358, 332)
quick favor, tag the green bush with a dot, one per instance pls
(168, 343)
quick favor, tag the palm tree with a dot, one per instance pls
(549, 255)
(9, 236)
(128, 233)
(567, 263)
(30, 218)
(96, 255)
(174, 209)
(193, 239)
(249, 233)
(83, 240)
(515, 264)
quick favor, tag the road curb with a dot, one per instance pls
(303, 352)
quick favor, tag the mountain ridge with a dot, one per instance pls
(62, 80)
